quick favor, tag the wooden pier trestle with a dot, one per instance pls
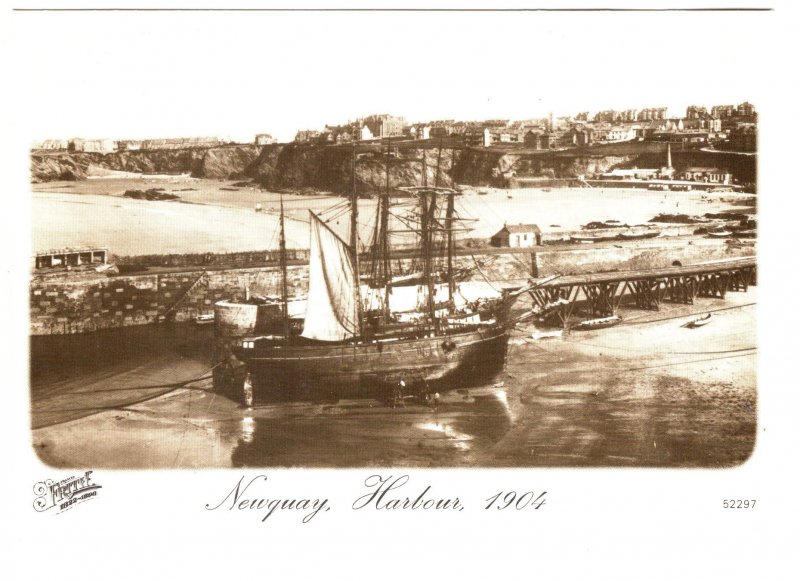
(599, 295)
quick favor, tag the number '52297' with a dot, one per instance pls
(738, 504)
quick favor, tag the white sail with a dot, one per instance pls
(332, 308)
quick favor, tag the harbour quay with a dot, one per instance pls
(180, 288)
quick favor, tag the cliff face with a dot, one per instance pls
(278, 166)
(297, 166)
(226, 162)
(487, 167)
(53, 167)
(214, 162)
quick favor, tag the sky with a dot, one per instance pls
(154, 74)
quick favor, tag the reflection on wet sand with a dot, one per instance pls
(367, 433)
(475, 422)
(248, 429)
(461, 441)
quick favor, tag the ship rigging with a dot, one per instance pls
(352, 335)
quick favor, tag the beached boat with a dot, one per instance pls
(589, 239)
(602, 323)
(639, 235)
(720, 234)
(738, 242)
(345, 346)
(205, 319)
(699, 322)
(539, 335)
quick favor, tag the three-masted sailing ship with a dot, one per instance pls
(352, 337)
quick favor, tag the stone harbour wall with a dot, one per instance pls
(66, 305)
(211, 260)
(620, 257)
(63, 306)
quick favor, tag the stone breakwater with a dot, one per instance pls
(68, 304)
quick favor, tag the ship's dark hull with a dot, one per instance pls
(454, 360)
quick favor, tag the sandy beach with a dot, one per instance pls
(214, 216)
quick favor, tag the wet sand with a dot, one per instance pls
(644, 393)
(73, 376)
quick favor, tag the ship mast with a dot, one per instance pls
(438, 163)
(354, 242)
(384, 229)
(451, 286)
(424, 171)
(426, 255)
(451, 282)
(284, 288)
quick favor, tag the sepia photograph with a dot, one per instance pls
(520, 284)
(445, 290)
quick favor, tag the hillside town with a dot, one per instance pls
(722, 127)
(728, 127)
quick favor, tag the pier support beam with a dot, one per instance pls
(648, 294)
(600, 298)
(682, 289)
(741, 279)
(714, 284)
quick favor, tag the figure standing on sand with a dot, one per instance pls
(398, 398)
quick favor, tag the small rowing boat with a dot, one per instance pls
(206, 319)
(638, 235)
(597, 323)
(539, 335)
(592, 239)
(720, 234)
(699, 322)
